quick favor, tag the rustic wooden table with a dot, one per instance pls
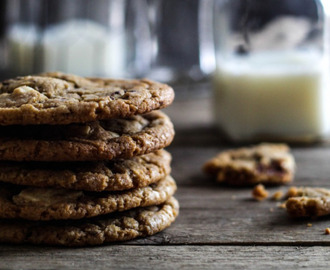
(218, 227)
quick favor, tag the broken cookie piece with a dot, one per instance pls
(277, 196)
(259, 192)
(308, 202)
(270, 164)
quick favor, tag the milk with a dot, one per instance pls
(80, 47)
(84, 47)
(282, 96)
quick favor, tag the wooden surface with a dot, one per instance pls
(218, 227)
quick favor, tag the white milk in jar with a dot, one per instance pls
(275, 95)
(81, 47)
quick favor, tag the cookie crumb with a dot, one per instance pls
(309, 224)
(281, 205)
(271, 210)
(259, 192)
(292, 192)
(278, 195)
(327, 231)
(233, 197)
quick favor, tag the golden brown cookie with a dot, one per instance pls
(308, 202)
(100, 140)
(58, 98)
(95, 231)
(47, 204)
(115, 175)
(269, 164)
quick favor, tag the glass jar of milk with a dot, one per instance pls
(85, 37)
(272, 75)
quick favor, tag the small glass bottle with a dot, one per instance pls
(272, 76)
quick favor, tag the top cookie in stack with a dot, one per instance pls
(59, 99)
(81, 148)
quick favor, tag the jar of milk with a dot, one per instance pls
(272, 75)
(89, 38)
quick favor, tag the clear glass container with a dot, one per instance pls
(175, 38)
(272, 76)
(84, 37)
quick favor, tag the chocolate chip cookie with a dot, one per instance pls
(270, 164)
(46, 204)
(59, 99)
(99, 140)
(95, 231)
(90, 176)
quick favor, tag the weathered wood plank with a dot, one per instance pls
(166, 257)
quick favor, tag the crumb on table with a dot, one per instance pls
(292, 192)
(281, 205)
(309, 224)
(278, 195)
(327, 231)
(259, 192)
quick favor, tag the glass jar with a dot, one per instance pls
(84, 37)
(272, 76)
(175, 39)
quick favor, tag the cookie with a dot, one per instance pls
(139, 222)
(90, 176)
(100, 140)
(269, 164)
(308, 202)
(59, 99)
(47, 204)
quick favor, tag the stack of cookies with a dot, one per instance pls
(82, 160)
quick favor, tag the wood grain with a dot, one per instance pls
(167, 257)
